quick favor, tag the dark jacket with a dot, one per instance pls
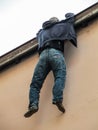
(63, 30)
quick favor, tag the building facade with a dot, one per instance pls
(81, 88)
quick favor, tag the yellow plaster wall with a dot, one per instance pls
(80, 94)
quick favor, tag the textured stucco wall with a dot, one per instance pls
(80, 95)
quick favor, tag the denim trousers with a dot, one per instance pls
(50, 60)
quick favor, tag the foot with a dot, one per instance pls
(31, 111)
(60, 106)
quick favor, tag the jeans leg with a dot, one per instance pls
(59, 71)
(40, 73)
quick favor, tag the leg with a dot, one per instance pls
(59, 71)
(40, 73)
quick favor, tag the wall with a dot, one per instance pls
(80, 94)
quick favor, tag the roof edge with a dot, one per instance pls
(19, 53)
(86, 15)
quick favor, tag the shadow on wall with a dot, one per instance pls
(69, 51)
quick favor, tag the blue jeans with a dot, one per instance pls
(50, 59)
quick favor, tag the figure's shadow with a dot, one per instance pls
(69, 51)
